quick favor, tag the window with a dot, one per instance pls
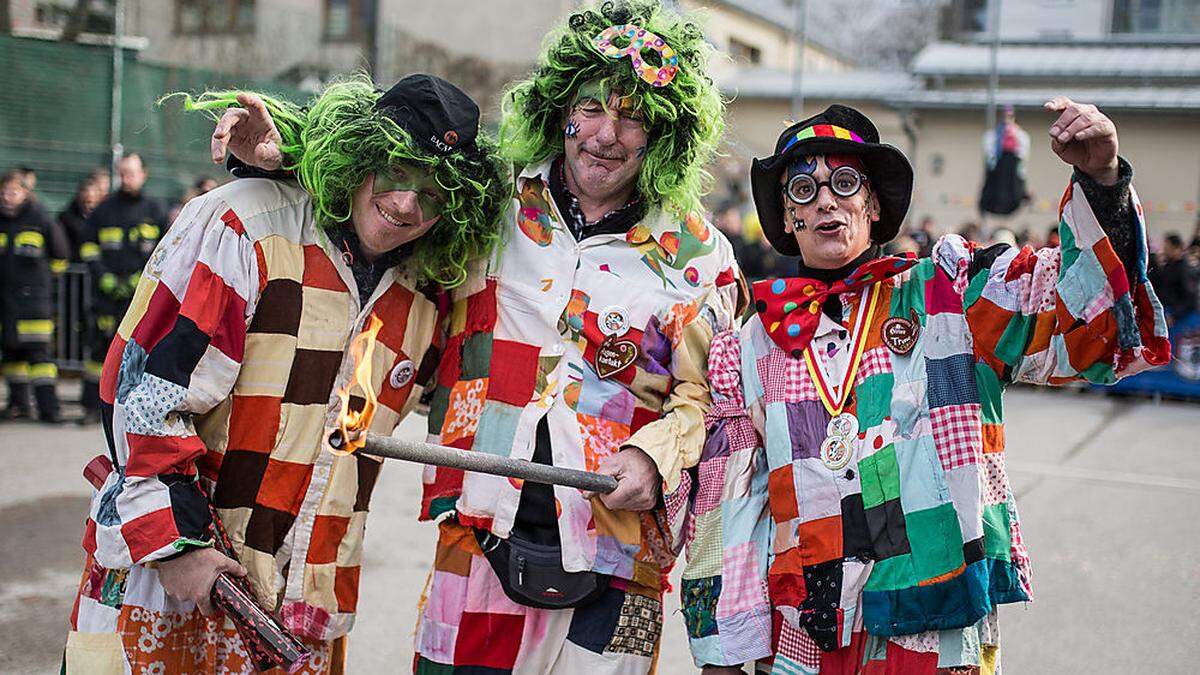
(1156, 16)
(211, 17)
(744, 53)
(348, 20)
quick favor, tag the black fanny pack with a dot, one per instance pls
(532, 574)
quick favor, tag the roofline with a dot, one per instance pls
(787, 28)
(1110, 40)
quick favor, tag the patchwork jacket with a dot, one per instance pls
(919, 531)
(523, 343)
(222, 385)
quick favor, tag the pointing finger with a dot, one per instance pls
(1057, 103)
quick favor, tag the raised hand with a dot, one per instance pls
(249, 133)
(1085, 138)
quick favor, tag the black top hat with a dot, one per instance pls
(440, 116)
(838, 130)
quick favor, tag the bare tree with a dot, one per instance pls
(5, 18)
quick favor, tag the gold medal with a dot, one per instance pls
(836, 452)
(844, 425)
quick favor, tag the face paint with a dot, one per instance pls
(408, 179)
(592, 100)
(835, 161)
(572, 129)
(641, 152)
(802, 165)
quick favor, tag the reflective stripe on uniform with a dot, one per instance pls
(3, 239)
(108, 282)
(58, 266)
(41, 328)
(110, 235)
(106, 323)
(148, 231)
(91, 369)
(16, 370)
(89, 251)
(43, 371)
(29, 238)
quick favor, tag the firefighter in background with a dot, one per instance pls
(123, 231)
(30, 242)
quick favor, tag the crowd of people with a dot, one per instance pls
(107, 235)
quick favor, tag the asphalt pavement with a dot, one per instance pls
(1108, 489)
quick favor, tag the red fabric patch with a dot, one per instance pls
(488, 640)
(217, 310)
(146, 534)
(446, 483)
(159, 318)
(481, 310)
(283, 486)
(450, 368)
(254, 423)
(781, 493)
(262, 266)
(389, 395)
(154, 455)
(513, 372)
(110, 370)
(940, 297)
(209, 464)
(642, 417)
(327, 534)
(785, 581)
(345, 588)
(319, 271)
(393, 308)
(726, 277)
(232, 222)
(89, 536)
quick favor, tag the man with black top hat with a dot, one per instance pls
(853, 513)
(226, 372)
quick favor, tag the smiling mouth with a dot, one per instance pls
(392, 221)
(605, 158)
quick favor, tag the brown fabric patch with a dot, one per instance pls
(638, 626)
(312, 376)
(368, 471)
(267, 528)
(240, 477)
(278, 308)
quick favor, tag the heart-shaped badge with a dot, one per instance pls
(613, 356)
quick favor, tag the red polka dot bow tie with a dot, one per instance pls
(790, 309)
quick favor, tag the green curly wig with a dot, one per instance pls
(340, 138)
(684, 119)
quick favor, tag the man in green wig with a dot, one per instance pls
(237, 354)
(581, 343)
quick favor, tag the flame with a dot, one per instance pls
(353, 421)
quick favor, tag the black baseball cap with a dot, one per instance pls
(441, 117)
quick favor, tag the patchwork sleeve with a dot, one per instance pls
(723, 595)
(1054, 315)
(177, 354)
(674, 441)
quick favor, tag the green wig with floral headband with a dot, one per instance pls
(656, 60)
(349, 132)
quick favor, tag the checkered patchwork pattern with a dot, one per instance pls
(244, 327)
(891, 505)
(957, 432)
(523, 345)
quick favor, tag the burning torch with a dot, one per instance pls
(351, 436)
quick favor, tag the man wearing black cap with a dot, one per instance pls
(854, 514)
(241, 336)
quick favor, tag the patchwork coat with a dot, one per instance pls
(221, 388)
(794, 560)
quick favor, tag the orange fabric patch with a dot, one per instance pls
(345, 588)
(993, 438)
(821, 540)
(327, 533)
(781, 493)
(393, 309)
(283, 486)
(254, 423)
(319, 271)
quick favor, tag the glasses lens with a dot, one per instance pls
(845, 181)
(802, 188)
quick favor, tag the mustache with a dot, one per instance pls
(603, 153)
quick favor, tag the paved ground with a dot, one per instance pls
(1109, 493)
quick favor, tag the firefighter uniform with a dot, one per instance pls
(30, 244)
(122, 233)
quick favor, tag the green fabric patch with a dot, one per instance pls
(439, 403)
(892, 574)
(991, 398)
(476, 356)
(975, 288)
(698, 600)
(1011, 347)
(880, 477)
(427, 667)
(1100, 373)
(911, 295)
(1070, 250)
(705, 550)
(936, 541)
(996, 532)
(440, 505)
(112, 592)
(874, 399)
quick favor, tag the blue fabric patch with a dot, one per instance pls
(106, 513)
(1127, 330)
(613, 557)
(776, 436)
(955, 603)
(1004, 586)
(922, 485)
(133, 367)
(593, 624)
(698, 600)
(951, 381)
(497, 428)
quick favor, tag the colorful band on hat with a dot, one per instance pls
(639, 39)
(822, 131)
